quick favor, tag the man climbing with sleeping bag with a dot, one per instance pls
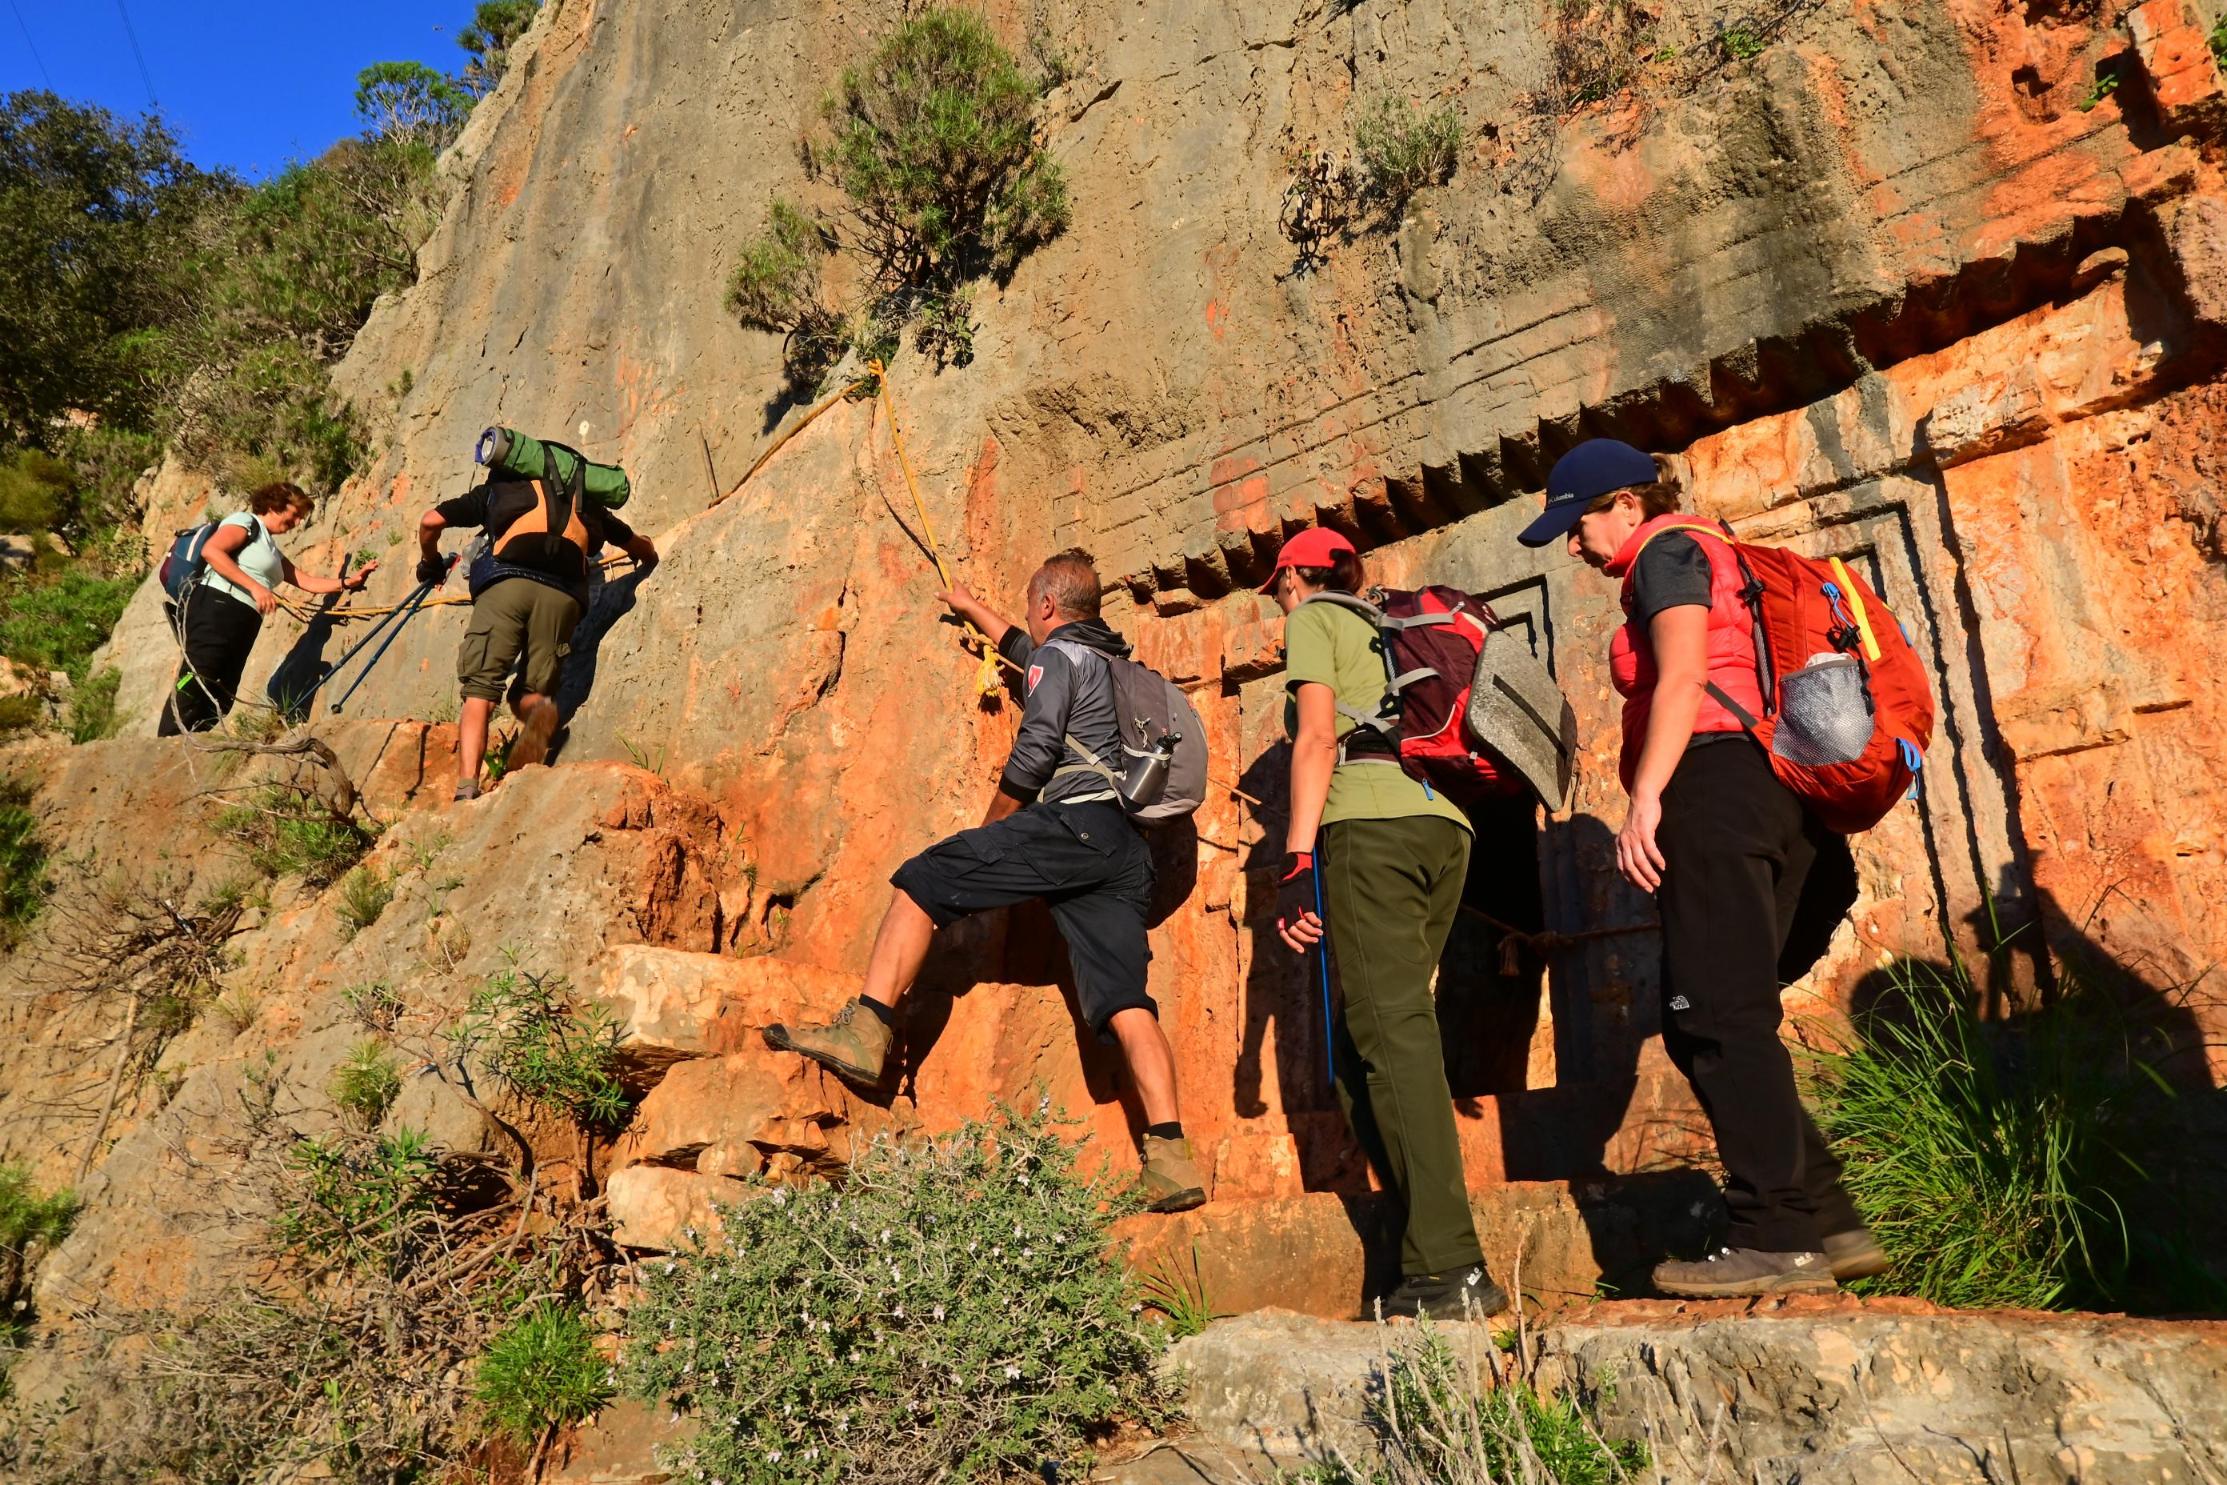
(528, 592)
(1056, 830)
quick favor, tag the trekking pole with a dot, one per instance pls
(333, 668)
(1322, 962)
(401, 617)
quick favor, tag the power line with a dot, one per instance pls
(137, 55)
(27, 41)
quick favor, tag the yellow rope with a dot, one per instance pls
(986, 675)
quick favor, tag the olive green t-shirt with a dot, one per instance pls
(1340, 649)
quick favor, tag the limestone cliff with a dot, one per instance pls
(1904, 286)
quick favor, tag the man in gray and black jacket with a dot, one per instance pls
(1056, 830)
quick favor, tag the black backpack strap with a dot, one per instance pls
(561, 496)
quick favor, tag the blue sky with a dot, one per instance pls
(253, 84)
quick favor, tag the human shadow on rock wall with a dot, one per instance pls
(1021, 946)
(2120, 1050)
(607, 605)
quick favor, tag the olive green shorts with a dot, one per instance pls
(518, 623)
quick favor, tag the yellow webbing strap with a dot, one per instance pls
(1856, 609)
(985, 675)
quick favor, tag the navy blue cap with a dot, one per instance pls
(1582, 476)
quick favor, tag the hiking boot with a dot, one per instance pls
(1855, 1254)
(1461, 1294)
(532, 746)
(1745, 1273)
(468, 789)
(855, 1044)
(1170, 1182)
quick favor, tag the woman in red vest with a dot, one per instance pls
(1728, 852)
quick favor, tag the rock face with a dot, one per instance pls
(1904, 287)
(1822, 1390)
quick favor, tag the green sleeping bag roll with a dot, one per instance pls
(507, 451)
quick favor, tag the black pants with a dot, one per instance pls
(1741, 851)
(219, 635)
(1087, 863)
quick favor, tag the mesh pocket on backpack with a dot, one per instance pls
(1825, 713)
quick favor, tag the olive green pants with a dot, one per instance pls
(1391, 888)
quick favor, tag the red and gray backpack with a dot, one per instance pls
(1847, 706)
(1431, 639)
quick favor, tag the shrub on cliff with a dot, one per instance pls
(1448, 1406)
(31, 1221)
(2013, 1164)
(933, 141)
(946, 1313)
(22, 862)
(1401, 150)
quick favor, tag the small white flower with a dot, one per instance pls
(885, 1234)
(1022, 1178)
(939, 1312)
(668, 1265)
(780, 1199)
(1013, 1373)
(898, 1313)
(1028, 1252)
(773, 1456)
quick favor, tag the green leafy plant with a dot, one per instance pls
(2218, 40)
(367, 1083)
(1471, 1414)
(1402, 150)
(2106, 83)
(1182, 1298)
(92, 713)
(55, 621)
(363, 1202)
(31, 1221)
(945, 1313)
(933, 141)
(21, 714)
(1998, 1164)
(364, 895)
(1741, 43)
(22, 862)
(495, 29)
(374, 1006)
(542, 1373)
(524, 1028)
(776, 286)
(411, 103)
(288, 831)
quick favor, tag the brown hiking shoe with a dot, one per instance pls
(1171, 1181)
(1856, 1255)
(1745, 1273)
(532, 746)
(855, 1044)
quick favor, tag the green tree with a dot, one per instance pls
(94, 211)
(411, 103)
(495, 28)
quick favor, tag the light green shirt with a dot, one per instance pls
(1339, 649)
(258, 558)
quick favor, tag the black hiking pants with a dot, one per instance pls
(219, 634)
(1741, 853)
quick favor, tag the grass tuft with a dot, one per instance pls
(367, 1084)
(542, 1373)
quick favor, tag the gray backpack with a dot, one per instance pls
(1161, 774)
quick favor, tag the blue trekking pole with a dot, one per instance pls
(1322, 961)
(402, 617)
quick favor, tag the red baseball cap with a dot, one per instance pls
(1315, 547)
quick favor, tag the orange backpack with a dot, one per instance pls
(1847, 711)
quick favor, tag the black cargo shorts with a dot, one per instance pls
(1088, 864)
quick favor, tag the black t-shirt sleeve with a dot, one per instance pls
(1671, 573)
(615, 531)
(465, 510)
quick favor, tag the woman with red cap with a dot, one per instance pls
(1729, 853)
(1385, 858)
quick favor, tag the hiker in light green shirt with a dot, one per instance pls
(1393, 857)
